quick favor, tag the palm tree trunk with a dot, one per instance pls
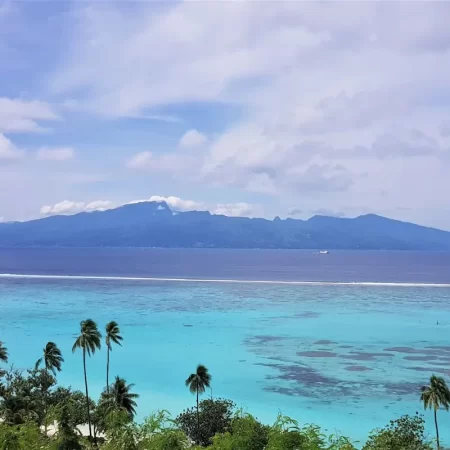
(45, 412)
(87, 393)
(437, 429)
(198, 423)
(107, 371)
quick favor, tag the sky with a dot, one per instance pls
(244, 108)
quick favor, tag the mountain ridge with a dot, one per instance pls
(154, 224)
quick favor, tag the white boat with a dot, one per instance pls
(324, 252)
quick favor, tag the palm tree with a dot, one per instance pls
(112, 335)
(89, 340)
(434, 396)
(121, 396)
(197, 383)
(52, 358)
(3, 352)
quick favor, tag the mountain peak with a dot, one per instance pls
(153, 224)
(147, 206)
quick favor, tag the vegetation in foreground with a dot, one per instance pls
(37, 414)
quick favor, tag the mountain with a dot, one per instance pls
(153, 224)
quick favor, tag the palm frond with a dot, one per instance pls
(190, 379)
(52, 358)
(200, 380)
(77, 344)
(3, 352)
(436, 394)
(113, 334)
(121, 397)
(38, 363)
(89, 338)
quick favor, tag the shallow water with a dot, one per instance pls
(347, 357)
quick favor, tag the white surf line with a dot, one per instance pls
(226, 281)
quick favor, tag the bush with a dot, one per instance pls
(405, 433)
(246, 433)
(159, 432)
(215, 417)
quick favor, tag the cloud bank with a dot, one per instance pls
(176, 204)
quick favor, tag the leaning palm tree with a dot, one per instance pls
(120, 396)
(197, 383)
(3, 352)
(112, 335)
(435, 396)
(52, 358)
(88, 341)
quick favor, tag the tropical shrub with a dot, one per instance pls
(405, 433)
(214, 417)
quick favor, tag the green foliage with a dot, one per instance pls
(285, 435)
(436, 394)
(23, 397)
(66, 437)
(246, 433)
(89, 339)
(198, 381)
(159, 432)
(405, 433)
(120, 397)
(121, 432)
(214, 417)
(3, 353)
(74, 402)
(112, 334)
(26, 436)
(30, 401)
(52, 358)
(340, 443)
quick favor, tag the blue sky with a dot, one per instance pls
(239, 107)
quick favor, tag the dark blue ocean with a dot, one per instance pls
(348, 351)
(273, 265)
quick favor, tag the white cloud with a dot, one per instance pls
(235, 209)
(295, 95)
(176, 204)
(18, 115)
(445, 129)
(67, 207)
(84, 178)
(192, 138)
(8, 151)
(55, 154)
(141, 161)
(174, 163)
(196, 56)
(156, 118)
(327, 212)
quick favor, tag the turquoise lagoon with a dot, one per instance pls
(346, 357)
